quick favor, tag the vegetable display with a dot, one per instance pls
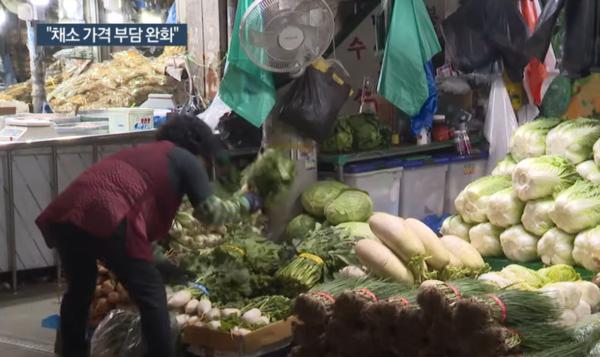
(319, 195)
(519, 245)
(577, 208)
(350, 206)
(455, 226)
(556, 247)
(542, 176)
(109, 294)
(536, 216)
(485, 237)
(271, 175)
(504, 208)
(573, 139)
(529, 140)
(589, 170)
(505, 166)
(472, 202)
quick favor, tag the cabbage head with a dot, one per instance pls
(300, 226)
(520, 274)
(359, 230)
(455, 226)
(536, 216)
(505, 167)
(542, 176)
(577, 208)
(319, 195)
(472, 202)
(504, 208)
(350, 206)
(589, 171)
(586, 249)
(518, 245)
(558, 273)
(342, 139)
(573, 139)
(556, 247)
(529, 140)
(485, 237)
(367, 132)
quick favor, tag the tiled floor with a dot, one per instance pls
(21, 333)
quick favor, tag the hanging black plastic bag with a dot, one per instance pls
(464, 39)
(314, 100)
(539, 42)
(506, 29)
(580, 37)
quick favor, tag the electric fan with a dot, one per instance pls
(286, 36)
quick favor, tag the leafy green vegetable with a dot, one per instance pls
(529, 140)
(359, 230)
(367, 131)
(573, 139)
(315, 198)
(471, 203)
(577, 208)
(271, 175)
(505, 167)
(543, 176)
(350, 206)
(341, 141)
(300, 226)
(558, 273)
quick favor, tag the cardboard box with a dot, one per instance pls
(8, 110)
(275, 334)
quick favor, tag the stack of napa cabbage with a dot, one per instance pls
(542, 201)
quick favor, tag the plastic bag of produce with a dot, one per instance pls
(529, 140)
(313, 102)
(119, 335)
(577, 208)
(536, 216)
(573, 139)
(542, 176)
(472, 202)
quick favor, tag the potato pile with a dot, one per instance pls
(109, 294)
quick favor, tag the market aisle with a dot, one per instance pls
(21, 334)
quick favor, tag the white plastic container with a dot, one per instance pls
(423, 188)
(462, 170)
(122, 120)
(380, 180)
(159, 101)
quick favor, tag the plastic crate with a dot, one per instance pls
(381, 179)
(423, 188)
(462, 170)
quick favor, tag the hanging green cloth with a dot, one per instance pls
(246, 88)
(411, 43)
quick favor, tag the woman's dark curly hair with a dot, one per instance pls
(192, 134)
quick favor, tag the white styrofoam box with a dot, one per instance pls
(122, 120)
(422, 189)
(383, 185)
(461, 172)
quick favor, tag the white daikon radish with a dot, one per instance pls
(214, 324)
(180, 299)
(263, 320)
(395, 234)
(252, 316)
(468, 255)
(204, 306)
(213, 314)
(182, 319)
(382, 262)
(229, 312)
(438, 255)
(191, 307)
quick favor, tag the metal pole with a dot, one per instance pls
(54, 194)
(10, 218)
(94, 154)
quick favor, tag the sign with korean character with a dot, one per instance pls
(111, 34)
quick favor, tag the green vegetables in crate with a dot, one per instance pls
(350, 206)
(319, 195)
(271, 175)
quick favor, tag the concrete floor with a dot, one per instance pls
(21, 333)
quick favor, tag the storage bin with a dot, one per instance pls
(462, 170)
(422, 188)
(381, 179)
